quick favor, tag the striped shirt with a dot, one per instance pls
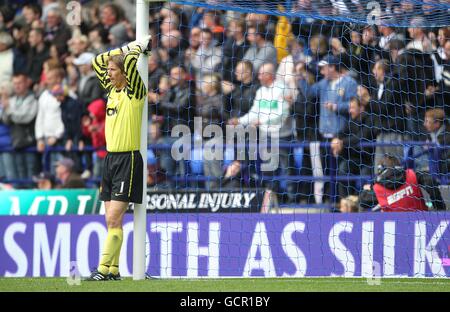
(125, 106)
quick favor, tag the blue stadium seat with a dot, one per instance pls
(151, 158)
(228, 156)
(298, 157)
(196, 162)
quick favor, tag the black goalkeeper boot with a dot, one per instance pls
(96, 276)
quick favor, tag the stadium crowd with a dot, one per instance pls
(328, 82)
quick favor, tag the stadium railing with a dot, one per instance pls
(194, 172)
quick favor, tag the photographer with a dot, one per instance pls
(398, 189)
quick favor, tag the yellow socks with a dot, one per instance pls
(114, 268)
(109, 261)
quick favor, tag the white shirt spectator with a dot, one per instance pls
(270, 110)
(6, 68)
(49, 120)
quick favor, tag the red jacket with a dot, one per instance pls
(406, 198)
(96, 130)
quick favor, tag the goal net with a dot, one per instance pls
(298, 107)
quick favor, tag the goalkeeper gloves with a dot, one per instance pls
(145, 44)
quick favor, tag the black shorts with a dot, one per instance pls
(122, 177)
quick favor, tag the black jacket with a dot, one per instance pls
(91, 91)
(176, 106)
(358, 131)
(233, 53)
(306, 114)
(389, 113)
(241, 99)
(415, 71)
(35, 61)
(71, 117)
(443, 154)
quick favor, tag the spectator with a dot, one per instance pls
(334, 92)
(438, 129)
(31, 12)
(184, 14)
(169, 23)
(7, 166)
(336, 47)
(170, 51)
(49, 65)
(162, 90)
(45, 181)
(305, 111)
(96, 41)
(438, 55)
(349, 204)
(271, 113)
(71, 81)
(388, 113)
(49, 127)
(443, 36)
(370, 38)
(174, 107)
(210, 107)
(388, 33)
(361, 59)
(77, 46)
(396, 48)
(37, 55)
(208, 57)
(234, 48)
(240, 96)
(353, 159)
(93, 127)
(212, 21)
(56, 30)
(446, 77)
(255, 19)
(261, 50)
(417, 54)
(59, 53)
(47, 6)
(318, 45)
(71, 117)
(20, 48)
(194, 45)
(233, 176)
(399, 190)
(66, 175)
(20, 113)
(118, 35)
(6, 56)
(111, 14)
(7, 14)
(286, 70)
(155, 72)
(88, 88)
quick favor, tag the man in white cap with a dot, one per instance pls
(88, 87)
(67, 176)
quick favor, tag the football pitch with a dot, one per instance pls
(336, 284)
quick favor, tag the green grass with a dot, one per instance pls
(228, 285)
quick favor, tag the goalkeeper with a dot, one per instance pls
(122, 176)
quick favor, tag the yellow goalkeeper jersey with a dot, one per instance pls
(124, 107)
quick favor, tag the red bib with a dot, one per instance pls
(406, 198)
